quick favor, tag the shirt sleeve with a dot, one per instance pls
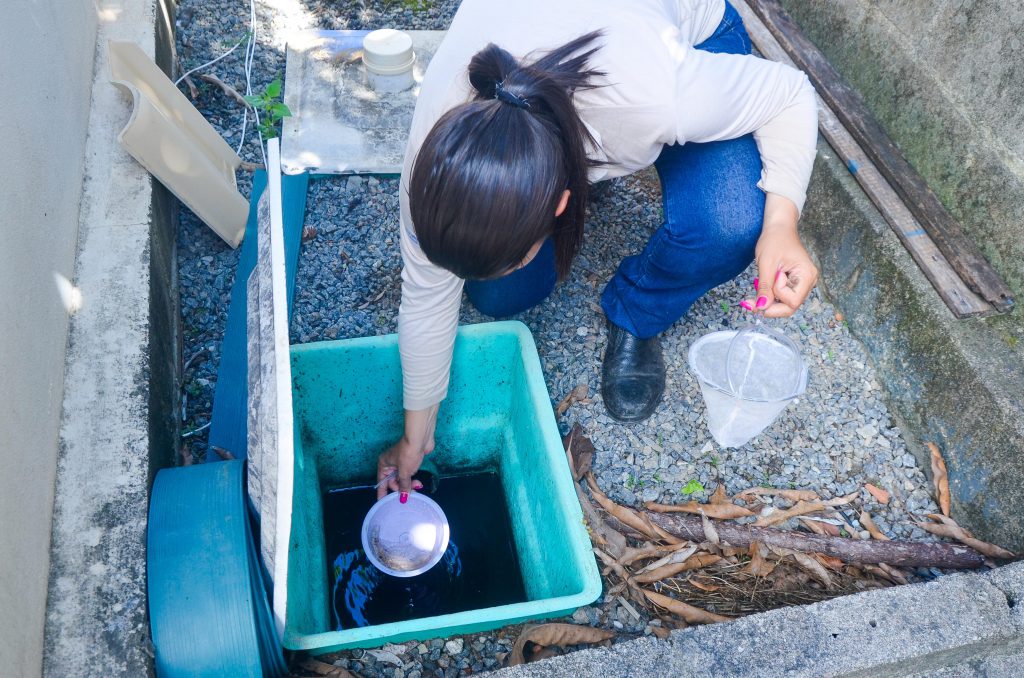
(724, 96)
(428, 319)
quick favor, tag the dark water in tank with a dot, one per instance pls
(479, 569)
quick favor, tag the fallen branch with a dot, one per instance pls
(897, 553)
(227, 89)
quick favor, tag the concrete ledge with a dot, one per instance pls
(949, 624)
(121, 385)
(956, 383)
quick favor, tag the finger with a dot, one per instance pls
(795, 292)
(767, 270)
(790, 297)
(779, 310)
(417, 485)
(382, 473)
(404, 487)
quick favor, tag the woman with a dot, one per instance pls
(527, 103)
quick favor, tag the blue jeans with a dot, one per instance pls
(713, 215)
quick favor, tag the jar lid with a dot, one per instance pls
(388, 52)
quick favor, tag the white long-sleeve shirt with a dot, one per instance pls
(658, 90)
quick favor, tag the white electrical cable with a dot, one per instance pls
(250, 52)
(208, 63)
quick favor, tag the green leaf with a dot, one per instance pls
(692, 487)
(253, 100)
(279, 110)
(273, 89)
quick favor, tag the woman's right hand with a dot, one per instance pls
(404, 458)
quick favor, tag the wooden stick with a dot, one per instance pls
(961, 252)
(898, 553)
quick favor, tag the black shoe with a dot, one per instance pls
(633, 375)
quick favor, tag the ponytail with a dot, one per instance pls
(489, 176)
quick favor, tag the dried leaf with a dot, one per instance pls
(627, 516)
(830, 562)
(724, 511)
(789, 495)
(600, 532)
(947, 527)
(819, 527)
(880, 495)
(813, 526)
(222, 453)
(870, 526)
(693, 615)
(322, 669)
(710, 533)
(648, 550)
(840, 501)
(719, 497)
(576, 395)
(940, 478)
(613, 565)
(579, 450)
(896, 574)
(759, 565)
(308, 233)
(660, 632)
(805, 561)
(672, 569)
(678, 556)
(702, 585)
(801, 508)
(555, 634)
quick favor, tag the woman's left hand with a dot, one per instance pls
(786, 274)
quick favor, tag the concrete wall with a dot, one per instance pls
(946, 80)
(121, 383)
(47, 65)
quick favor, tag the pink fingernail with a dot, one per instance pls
(417, 485)
(404, 497)
(756, 281)
(746, 304)
(762, 302)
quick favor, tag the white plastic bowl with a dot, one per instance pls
(405, 540)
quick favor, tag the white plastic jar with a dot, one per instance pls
(388, 58)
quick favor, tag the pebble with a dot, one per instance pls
(453, 647)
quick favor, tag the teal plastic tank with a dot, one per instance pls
(347, 399)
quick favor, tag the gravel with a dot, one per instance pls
(837, 437)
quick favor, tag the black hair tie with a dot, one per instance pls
(502, 94)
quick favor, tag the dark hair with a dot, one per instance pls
(490, 174)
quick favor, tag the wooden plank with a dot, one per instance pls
(960, 299)
(228, 424)
(960, 251)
